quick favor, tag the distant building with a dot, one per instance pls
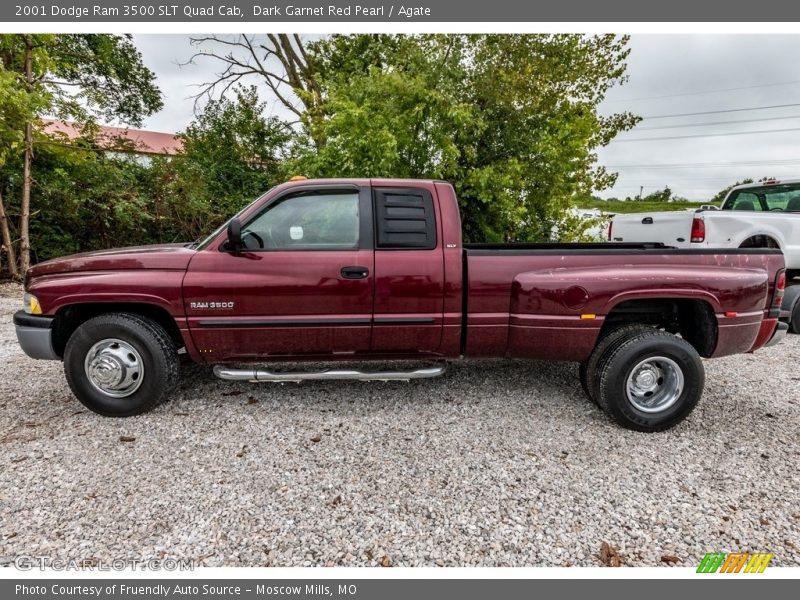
(122, 140)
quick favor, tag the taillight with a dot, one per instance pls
(780, 288)
(698, 230)
(610, 227)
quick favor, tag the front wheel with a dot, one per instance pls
(650, 382)
(120, 364)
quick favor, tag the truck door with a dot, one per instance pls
(302, 286)
(409, 271)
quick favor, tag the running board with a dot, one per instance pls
(259, 375)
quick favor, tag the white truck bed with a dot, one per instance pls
(752, 215)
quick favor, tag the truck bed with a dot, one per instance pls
(550, 301)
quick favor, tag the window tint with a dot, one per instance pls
(773, 197)
(404, 219)
(310, 221)
(746, 201)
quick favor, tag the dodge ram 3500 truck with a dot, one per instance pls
(375, 270)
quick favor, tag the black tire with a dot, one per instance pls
(157, 359)
(587, 372)
(794, 318)
(675, 355)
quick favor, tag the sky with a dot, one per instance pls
(667, 75)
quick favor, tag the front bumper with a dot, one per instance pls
(35, 335)
(780, 333)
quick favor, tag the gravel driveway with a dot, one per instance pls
(496, 463)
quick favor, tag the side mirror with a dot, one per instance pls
(235, 242)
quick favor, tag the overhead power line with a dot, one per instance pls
(710, 165)
(707, 135)
(717, 112)
(710, 123)
(718, 90)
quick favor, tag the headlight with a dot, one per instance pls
(32, 306)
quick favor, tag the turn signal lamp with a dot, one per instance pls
(32, 306)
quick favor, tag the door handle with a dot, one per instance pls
(354, 272)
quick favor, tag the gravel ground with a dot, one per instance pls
(497, 463)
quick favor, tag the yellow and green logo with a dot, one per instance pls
(736, 562)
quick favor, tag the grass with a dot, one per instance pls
(617, 206)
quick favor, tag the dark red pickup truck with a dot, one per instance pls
(366, 270)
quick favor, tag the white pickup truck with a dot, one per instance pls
(754, 215)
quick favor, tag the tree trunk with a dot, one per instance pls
(8, 245)
(27, 179)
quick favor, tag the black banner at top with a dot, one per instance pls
(437, 11)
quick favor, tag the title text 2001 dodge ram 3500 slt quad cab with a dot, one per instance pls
(363, 270)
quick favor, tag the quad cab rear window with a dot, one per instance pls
(777, 198)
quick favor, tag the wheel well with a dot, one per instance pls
(760, 241)
(694, 320)
(69, 318)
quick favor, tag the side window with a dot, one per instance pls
(306, 221)
(746, 201)
(404, 219)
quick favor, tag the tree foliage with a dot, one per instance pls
(512, 120)
(231, 155)
(73, 76)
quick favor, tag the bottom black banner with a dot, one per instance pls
(388, 589)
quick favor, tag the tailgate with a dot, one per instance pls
(668, 228)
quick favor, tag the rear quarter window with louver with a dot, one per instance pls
(404, 219)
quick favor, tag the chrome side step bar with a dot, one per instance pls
(260, 375)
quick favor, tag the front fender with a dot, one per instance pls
(160, 288)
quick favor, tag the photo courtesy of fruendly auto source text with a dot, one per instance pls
(378, 300)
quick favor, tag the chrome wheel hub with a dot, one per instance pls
(114, 367)
(655, 384)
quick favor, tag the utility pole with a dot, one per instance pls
(641, 189)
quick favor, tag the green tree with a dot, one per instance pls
(232, 154)
(77, 77)
(511, 120)
(664, 195)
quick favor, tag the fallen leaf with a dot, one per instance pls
(242, 452)
(609, 556)
(670, 558)
(127, 438)
(764, 521)
(19, 459)
(251, 400)
(386, 561)
(316, 438)
(12, 535)
(336, 501)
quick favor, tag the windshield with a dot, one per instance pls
(778, 198)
